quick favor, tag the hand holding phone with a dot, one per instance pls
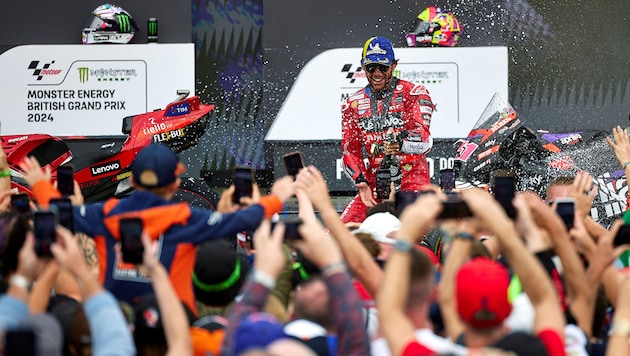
(454, 207)
(291, 226)
(293, 162)
(65, 180)
(243, 179)
(130, 240)
(44, 223)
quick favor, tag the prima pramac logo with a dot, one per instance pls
(84, 74)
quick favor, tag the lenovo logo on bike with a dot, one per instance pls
(44, 70)
(105, 168)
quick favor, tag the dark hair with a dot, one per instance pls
(13, 228)
(386, 206)
(369, 243)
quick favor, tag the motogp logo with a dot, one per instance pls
(44, 70)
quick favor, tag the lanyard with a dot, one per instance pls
(378, 120)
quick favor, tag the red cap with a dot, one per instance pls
(482, 293)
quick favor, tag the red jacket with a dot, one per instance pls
(409, 115)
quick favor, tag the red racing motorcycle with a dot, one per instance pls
(102, 165)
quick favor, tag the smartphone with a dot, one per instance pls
(454, 207)
(21, 203)
(65, 180)
(623, 236)
(20, 342)
(130, 243)
(243, 178)
(44, 228)
(405, 198)
(291, 225)
(64, 212)
(565, 207)
(447, 179)
(503, 189)
(293, 162)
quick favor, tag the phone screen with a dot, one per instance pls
(291, 226)
(243, 183)
(64, 212)
(447, 179)
(503, 190)
(383, 183)
(21, 203)
(44, 228)
(20, 342)
(130, 243)
(65, 180)
(293, 162)
(454, 207)
(623, 236)
(566, 210)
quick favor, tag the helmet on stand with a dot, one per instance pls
(109, 23)
(435, 27)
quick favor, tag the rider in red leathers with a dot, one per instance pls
(386, 105)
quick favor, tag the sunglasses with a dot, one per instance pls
(370, 68)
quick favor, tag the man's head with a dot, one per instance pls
(378, 62)
(312, 302)
(559, 188)
(156, 168)
(482, 293)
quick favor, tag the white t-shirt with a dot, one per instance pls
(427, 338)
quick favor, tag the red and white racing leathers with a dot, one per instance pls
(408, 112)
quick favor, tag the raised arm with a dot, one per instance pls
(397, 329)
(174, 318)
(533, 277)
(312, 183)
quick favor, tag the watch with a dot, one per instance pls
(20, 281)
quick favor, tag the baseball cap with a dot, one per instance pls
(380, 225)
(219, 273)
(378, 50)
(482, 293)
(156, 166)
(257, 330)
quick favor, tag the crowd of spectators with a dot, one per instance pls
(495, 285)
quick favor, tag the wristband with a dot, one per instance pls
(620, 327)
(402, 246)
(7, 173)
(263, 278)
(464, 236)
(625, 164)
(20, 281)
(334, 267)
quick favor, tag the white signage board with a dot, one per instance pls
(88, 89)
(461, 82)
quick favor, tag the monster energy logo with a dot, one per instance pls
(152, 27)
(123, 23)
(84, 73)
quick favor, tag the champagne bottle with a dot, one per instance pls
(389, 171)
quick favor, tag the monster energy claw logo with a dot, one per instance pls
(84, 72)
(123, 23)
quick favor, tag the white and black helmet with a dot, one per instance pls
(109, 23)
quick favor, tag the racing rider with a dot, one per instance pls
(386, 108)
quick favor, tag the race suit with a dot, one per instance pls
(367, 118)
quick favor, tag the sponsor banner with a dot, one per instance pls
(461, 82)
(88, 89)
(326, 156)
